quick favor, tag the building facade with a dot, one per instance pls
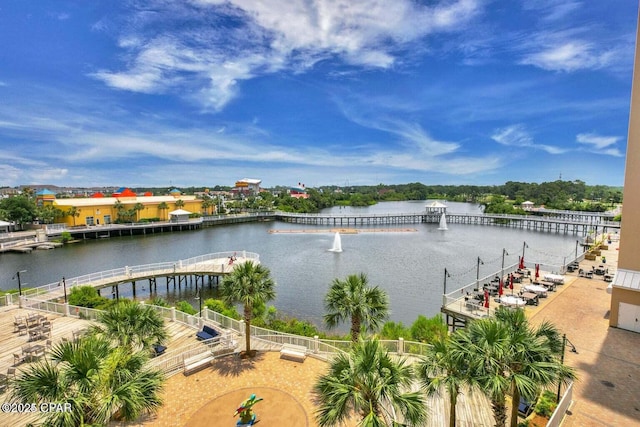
(625, 289)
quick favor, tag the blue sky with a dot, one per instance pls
(343, 92)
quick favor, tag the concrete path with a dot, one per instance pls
(607, 359)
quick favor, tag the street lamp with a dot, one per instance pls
(64, 286)
(19, 281)
(504, 252)
(565, 341)
(478, 272)
(446, 274)
(577, 243)
(199, 298)
(524, 245)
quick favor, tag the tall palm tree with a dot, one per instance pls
(445, 366)
(101, 383)
(353, 298)
(131, 325)
(179, 204)
(248, 284)
(162, 207)
(370, 382)
(137, 208)
(508, 356)
(74, 212)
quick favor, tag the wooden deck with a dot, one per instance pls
(180, 336)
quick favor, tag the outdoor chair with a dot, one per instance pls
(17, 359)
(48, 345)
(158, 349)
(11, 372)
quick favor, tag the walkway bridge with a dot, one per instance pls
(561, 224)
(211, 266)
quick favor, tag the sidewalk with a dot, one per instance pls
(607, 392)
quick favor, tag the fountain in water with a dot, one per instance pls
(337, 243)
(443, 222)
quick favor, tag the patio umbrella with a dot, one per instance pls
(521, 265)
(537, 271)
(500, 287)
(511, 283)
(486, 298)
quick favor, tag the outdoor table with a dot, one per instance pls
(555, 278)
(550, 286)
(540, 290)
(34, 351)
(512, 301)
(608, 277)
(530, 297)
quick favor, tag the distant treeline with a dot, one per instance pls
(506, 198)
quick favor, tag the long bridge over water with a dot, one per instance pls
(567, 222)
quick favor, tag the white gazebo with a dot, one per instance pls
(436, 207)
(179, 215)
(527, 206)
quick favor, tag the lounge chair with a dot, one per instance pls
(207, 333)
(158, 349)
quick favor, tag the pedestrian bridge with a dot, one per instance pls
(213, 264)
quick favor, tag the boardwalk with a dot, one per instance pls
(211, 265)
(180, 336)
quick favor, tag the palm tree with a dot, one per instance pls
(206, 204)
(74, 212)
(179, 204)
(162, 207)
(99, 381)
(131, 325)
(120, 209)
(248, 284)
(137, 208)
(508, 356)
(445, 366)
(354, 298)
(371, 383)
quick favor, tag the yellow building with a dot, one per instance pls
(127, 207)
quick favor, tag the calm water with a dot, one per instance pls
(408, 265)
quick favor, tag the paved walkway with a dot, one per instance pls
(607, 359)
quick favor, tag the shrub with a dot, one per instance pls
(65, 237)
(393, 331)
(185, 307)
(546, 404)
(159, 301)
(86, 296)
(426, 329)
(219, 306)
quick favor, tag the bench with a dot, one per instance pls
(292, 351)
(207, 333)
(195, 363)
(158, 349)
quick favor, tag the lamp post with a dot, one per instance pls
(446, 274)
(64, 287)
(478, 273)
(19, 281)
(199, 298)
(504, 252)
(565, 340)
(577, 243)
(524, 245)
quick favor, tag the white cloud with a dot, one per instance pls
(600, 144)
(518, 136)
(569, 55)
(210, 60)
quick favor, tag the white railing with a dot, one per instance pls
(558, 415)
